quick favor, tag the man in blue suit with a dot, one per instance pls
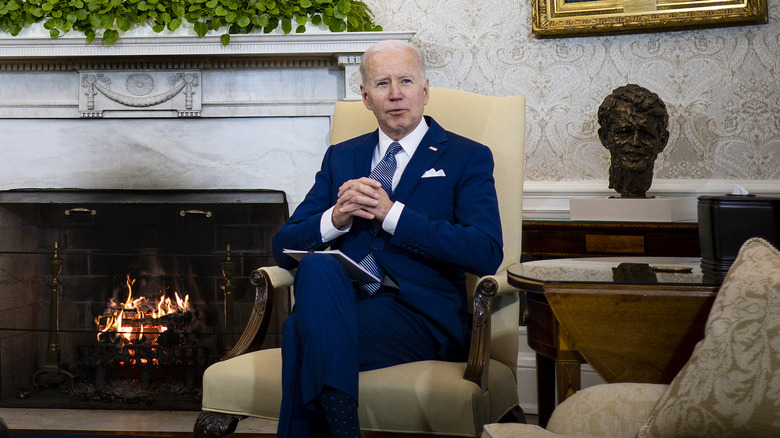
(419, 217)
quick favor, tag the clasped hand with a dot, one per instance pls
(362, 197)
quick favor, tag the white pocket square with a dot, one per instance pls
(431, 173)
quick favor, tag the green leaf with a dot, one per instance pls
(123, 23)
(54, 33)
(244, 21)
(261, 21)
(337, 26)
(201, 28)
(224, 39)
(106, 21)
(110, 36)
(286, 25)
(273, 23)
(306, 4)
(174, 24)
(344, 6)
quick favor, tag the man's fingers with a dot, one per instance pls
(358, 212)
(366, 186)
(358, 199)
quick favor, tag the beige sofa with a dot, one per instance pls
(730, 386)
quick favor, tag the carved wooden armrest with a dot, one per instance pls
(479, 351)
(266, 281)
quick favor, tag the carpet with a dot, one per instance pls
(79, 435)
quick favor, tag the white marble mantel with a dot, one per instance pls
(173, 112)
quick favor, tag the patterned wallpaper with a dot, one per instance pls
(721, 86)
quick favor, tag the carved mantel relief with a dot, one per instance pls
(157, 93)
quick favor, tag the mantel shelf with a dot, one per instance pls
(254, 45)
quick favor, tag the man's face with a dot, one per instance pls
(395, 91)
(634, 139)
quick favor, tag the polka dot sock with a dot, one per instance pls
(341, 411)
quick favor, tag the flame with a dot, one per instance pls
(118, 317)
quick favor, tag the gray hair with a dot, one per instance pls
(390, 44)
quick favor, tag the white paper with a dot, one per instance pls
(354, 270)
(739, 190)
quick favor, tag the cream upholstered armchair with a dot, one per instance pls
(432, 397)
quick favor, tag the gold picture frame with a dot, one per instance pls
(569, 18)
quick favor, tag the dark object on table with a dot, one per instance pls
(726, 222)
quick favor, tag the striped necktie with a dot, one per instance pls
(383, 172)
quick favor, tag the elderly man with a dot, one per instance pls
(633, 124)
(414, 204)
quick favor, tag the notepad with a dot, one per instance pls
(355, 271)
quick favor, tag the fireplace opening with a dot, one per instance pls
(117, 299)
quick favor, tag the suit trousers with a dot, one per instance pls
(332, 335)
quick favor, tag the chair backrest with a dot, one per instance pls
(499, 123)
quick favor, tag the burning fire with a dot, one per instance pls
(139, 320)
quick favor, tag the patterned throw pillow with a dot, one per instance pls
(730, 387)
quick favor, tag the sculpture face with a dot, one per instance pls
(634, 139)
(633, 128)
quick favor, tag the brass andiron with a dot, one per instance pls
(53, 365)
(228, 270)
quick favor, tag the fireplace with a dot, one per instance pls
(86, 274)
(253, 114)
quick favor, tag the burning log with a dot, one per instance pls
(171, 320)
(167, 330)
(140, 321)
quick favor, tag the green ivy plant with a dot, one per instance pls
(110, 17)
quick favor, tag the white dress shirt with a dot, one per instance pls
(409, 146)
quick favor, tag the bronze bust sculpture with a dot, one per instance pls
(633, 127)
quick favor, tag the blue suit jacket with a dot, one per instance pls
(449, 225)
